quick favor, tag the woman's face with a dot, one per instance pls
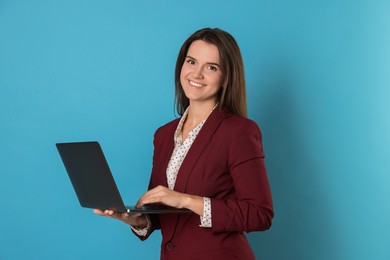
(201, 75)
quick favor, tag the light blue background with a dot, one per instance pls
(318, 85)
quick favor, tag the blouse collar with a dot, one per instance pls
(194, 132)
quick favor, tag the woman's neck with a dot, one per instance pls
(199, 112)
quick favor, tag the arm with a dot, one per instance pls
(166, 196)
(251, 207)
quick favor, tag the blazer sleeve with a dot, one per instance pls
(251, 208)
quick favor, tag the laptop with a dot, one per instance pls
(93, 182)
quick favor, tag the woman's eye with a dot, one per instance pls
(191, 62)
(212, 68)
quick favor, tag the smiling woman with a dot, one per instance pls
(209, 161)
(201, 75)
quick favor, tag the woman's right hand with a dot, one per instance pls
(138, 220)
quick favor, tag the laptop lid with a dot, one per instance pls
(93, 182)
(90, 175)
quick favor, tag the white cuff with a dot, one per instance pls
(205, 220)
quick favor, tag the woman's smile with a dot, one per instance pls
(195, 84)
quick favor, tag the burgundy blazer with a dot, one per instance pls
(225, 163)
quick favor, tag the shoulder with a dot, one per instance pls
(244, 138)
(169, 127)
(239, 126)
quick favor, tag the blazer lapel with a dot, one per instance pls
(167, 148)
(197, 147)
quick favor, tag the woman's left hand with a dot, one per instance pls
(166, 196)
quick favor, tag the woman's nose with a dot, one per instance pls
(198, 72)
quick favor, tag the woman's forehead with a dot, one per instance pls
(204, 52)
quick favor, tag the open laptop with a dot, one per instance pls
(93, 182)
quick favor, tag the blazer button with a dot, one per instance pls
(169, 246)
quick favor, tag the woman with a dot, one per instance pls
(209, 161)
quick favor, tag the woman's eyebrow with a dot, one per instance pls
(210, 63)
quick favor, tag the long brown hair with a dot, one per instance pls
(232, 97)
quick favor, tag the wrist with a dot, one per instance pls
(187, 202)
(136, 221)
(142, 221)
(194, 203)
(142, 230)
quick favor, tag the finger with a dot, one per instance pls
(150, 198)
(98, 211)
(118, 215)
(114, 214)
(108, 213)
(144, 197)
(155, 190)
(155, 195)
(160, 197)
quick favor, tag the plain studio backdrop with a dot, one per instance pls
(318, 85)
